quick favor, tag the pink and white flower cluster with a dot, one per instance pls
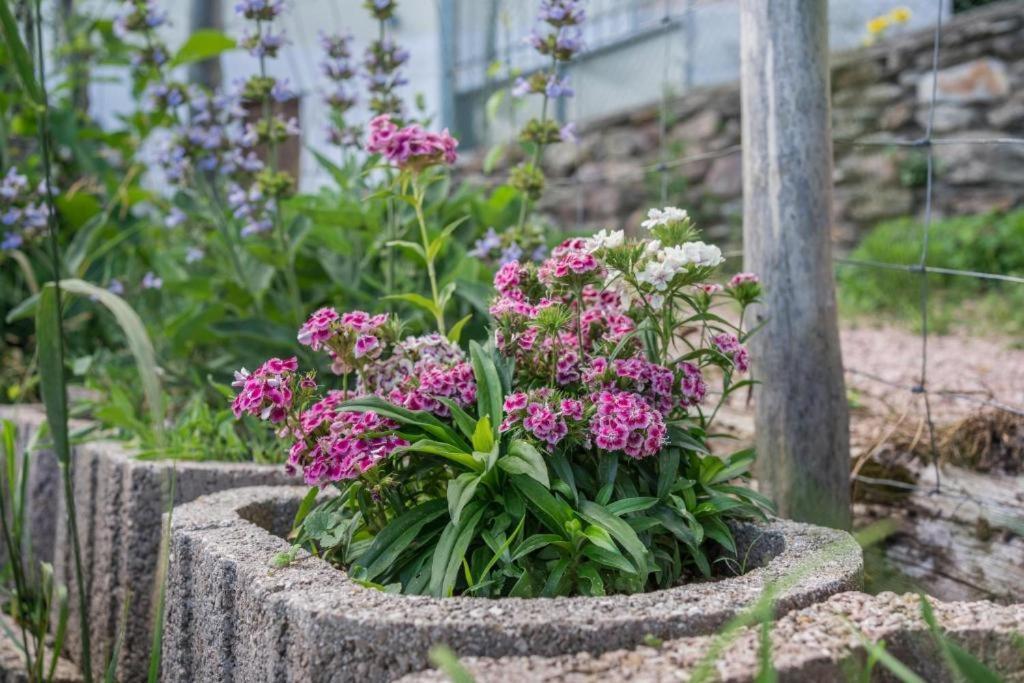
(426, 373)
(334, 445)
(266, 393)
(410, 147)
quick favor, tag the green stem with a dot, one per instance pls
(291, 281)
(418, 196)
(69, 496)
(524, 208)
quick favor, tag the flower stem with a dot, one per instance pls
(419, 193)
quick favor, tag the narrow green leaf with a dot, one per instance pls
(308, 501)
(460, 491)
(609, 558)
(443, 450)
(49, 329)
(668, 471)
(446, 660)
(138, 342)
(416, 518)
(625, 506)
(489, 391)
(418, 418)
(19, 53)
(417, 300)
(620, 531)
(533, 544)
(460, 417)
(552, 512)
(455, 333)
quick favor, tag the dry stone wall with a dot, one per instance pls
(610, 176)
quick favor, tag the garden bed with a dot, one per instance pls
(120, 503)
(824, 642)
(230, 614)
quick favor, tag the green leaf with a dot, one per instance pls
(308, 501)
(418, 418)
(626, 506)
(523, 458)
(397, 536)
(443, 450)
(600, 537)
(957, 659)
(416, 300)
(202, 44)
(897, 668)
(49, 342)
(446, 660)
(609, 558)
(483, 435)
(411, 246)
(450, 551)
(138, 342)
(739, 464)
(563, 470)
(460, 491)
(552, 512)
(592, 577)
(455, 333)
(18, 53)
(668, 471)
(620, 531)
(438, 242)
(463, 421)
(488, 391)
(554, 585)
(495, 155)
(533, 544)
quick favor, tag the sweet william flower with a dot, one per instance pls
(668, 216)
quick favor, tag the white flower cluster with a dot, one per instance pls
(604, 240)
(667, 262)
(670, 215)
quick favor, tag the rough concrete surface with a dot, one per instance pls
(120, 503)
(43, 482)
(824, 642)
(12, 659)
(230, 617)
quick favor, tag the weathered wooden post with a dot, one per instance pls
(802, 419)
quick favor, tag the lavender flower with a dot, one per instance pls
(152, 281)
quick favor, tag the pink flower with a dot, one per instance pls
(367, 346)
(625, 422)
(743, 278)
(729, 346)
(410, 147)
(266, 393)
(318, 328)
(692, 385)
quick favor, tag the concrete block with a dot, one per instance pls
(230, 616)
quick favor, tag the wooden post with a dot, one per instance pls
(802, 418)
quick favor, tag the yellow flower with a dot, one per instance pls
(900, 15)
(877, 25)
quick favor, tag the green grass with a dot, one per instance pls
(988, 243)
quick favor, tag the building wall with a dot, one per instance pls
(610, 177)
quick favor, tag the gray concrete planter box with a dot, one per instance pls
(819, 643)
(120, 502)
(230, 616)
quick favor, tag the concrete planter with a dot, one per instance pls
(819, 643)
(120, 503)
(43, 483)
(12, 659)
(231, 617)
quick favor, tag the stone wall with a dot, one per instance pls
(610, 176)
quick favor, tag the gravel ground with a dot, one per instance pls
(884, 363)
